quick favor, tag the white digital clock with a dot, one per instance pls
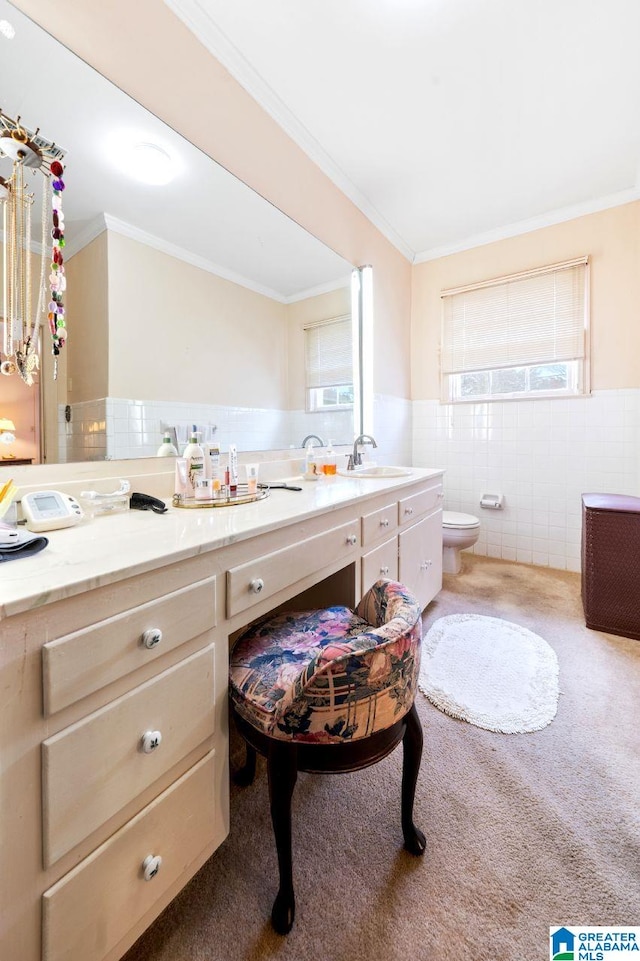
(50, 510)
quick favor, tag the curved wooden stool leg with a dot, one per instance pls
(414, 840)
(282, 773)
(245, 775)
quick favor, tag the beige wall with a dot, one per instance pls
(87, 298)
(612, 240)
(309, 311)
(177, 332)
(157, 61)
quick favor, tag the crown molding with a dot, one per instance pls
(105, 221)
(194, 16)
(91, 230)
(549, 219)
(150, 240)
(319, 290)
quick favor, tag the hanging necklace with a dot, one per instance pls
(19, 342)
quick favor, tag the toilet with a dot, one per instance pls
(458, 531)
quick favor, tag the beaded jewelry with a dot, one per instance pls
(20, 335)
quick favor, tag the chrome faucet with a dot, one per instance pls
(355, 459)
(312, 437)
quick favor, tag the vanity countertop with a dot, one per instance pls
(110, 548)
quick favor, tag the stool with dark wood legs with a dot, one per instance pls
(329, 691)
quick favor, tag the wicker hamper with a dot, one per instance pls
(611, 563)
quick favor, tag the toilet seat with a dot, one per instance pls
(455, 520)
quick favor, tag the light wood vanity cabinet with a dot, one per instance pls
(113, 707)
(414, 554)
(113, 741)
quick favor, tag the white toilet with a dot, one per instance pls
(458, 531)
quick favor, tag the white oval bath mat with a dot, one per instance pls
(491, 673)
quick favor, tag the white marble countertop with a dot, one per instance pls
(109, 548)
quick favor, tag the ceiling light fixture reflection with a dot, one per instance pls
(149, 163)
(7, 30)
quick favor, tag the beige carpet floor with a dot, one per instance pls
(523, 831)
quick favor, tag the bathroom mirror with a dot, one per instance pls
(187, 301)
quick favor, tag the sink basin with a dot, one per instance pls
(377, 472)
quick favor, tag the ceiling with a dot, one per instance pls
(247, 241)
(450, 123)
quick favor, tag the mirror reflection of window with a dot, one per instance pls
(329, 364)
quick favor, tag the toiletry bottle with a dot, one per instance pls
(213, 470)
(167, 448)
(194, 456)
(233, 470)
(310, 466)
(330, 465)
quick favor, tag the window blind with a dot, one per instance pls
(536, 317)
(328, 353)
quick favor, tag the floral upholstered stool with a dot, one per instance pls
(329, 691)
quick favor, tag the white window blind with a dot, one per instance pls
(328, 353)
(532, 318)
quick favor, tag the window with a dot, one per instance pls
(520, 336)
(328, 363)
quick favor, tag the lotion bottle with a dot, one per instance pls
(310, 465)
(167, 448)
(194, 456)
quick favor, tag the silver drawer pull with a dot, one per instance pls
(384, 571)
(425, 565)
(440, 495)
(152, 637)
(384, 522)
(408, 510)
(150, 741)
(352, 539)
(256, 586)
(151, 866)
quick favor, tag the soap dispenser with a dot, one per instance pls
(167, 448)
(330, 460)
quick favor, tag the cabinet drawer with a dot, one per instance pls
(410, 508)
(256, 580)
(93, 768)
(379, 523)
(91, 908)
(83, 662)
(380, 562)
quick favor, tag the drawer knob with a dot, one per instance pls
(384, 522)
(384, 571)
(151, 740)
(152, 637)
(151, 866)
(352, 539)
(440, 495)
(408, 510)
(256, 585)
(425, 565)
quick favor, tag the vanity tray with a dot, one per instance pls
(242, 498)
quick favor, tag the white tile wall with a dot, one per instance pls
(541, 455)
(113, 428)
(392, 419)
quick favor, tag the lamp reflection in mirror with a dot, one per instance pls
(7, 436)
(362, 313)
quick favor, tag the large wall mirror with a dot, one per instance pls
(188, 301)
